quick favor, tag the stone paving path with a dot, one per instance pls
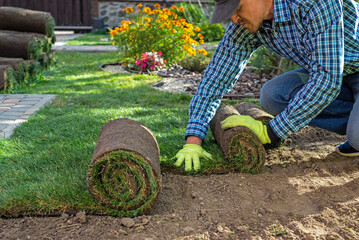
(17, 108)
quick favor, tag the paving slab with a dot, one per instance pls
(17, 108)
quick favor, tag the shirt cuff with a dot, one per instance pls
(281, 126)
(196, 128)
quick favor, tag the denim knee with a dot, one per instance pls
(269, 98)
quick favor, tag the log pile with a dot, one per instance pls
(125, 173)
(26, 37)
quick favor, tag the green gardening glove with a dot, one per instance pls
(247, 121)
(190, 153)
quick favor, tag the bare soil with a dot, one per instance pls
(305, 191)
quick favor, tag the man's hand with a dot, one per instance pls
(191, 153)
(246, 121)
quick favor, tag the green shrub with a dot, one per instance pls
(196, 63)
(157, 30)
(212, 32)
(266, 61)
(194, 13)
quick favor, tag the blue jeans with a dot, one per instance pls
(341, 116)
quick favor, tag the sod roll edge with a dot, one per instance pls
(239, 144)
(125, 170)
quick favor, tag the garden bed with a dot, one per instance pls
(179, 80)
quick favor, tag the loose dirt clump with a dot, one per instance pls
(304, 191)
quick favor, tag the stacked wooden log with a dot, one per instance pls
(26, 37)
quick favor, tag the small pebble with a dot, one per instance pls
(127, 222)
(188, 229)
(145, 221)
(121, 231)
(81, 217)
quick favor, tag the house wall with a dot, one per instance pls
(112, 13)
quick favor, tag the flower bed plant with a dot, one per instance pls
(156, 30)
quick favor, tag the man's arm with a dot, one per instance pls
(230, 58)
(324, 39)
(194, 140)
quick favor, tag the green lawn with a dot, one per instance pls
(94, 38)
(43, 166)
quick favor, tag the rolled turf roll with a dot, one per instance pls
(239, 144)
(125, 171)
(22, 70)
(25, 20)
(253, 110)
(23, 44)
(6, 76)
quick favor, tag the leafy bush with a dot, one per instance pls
(266, 61)
(197, 63)
(194, 13)
(212, 32)
(156, 31)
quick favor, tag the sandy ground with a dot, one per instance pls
(305, 191)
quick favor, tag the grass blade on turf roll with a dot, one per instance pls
(240, 145)
(125, 170)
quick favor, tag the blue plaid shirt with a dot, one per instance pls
(322, 36)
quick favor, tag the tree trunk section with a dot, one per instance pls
(239, 144)
(125, 170)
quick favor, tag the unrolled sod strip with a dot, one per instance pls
(125, 170)
(253, 110)
(239, 144)
(25, 20)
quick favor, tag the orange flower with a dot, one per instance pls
(157, 6)
(113, 33)
(139, 5)
(202, 51)
(201, 41)
(174, 7)
(181, 9)
(147, 10)
(197, 29)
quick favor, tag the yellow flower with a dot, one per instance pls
(157, 6)
(181, 9)
(200, 36)
(174, 7)
(147, 10)
(139, 5)
(197, 29)
(201, 41)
